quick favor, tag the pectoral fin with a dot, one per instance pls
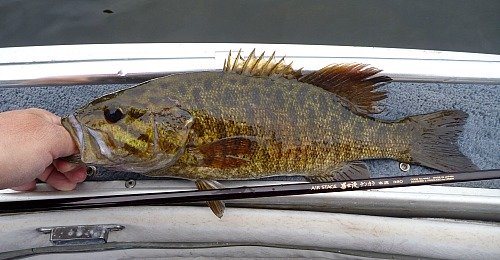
(216, 206)
(229, 152)
(355, 170)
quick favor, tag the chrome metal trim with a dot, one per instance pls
(423, 201)
(128, 63)
(79, 234)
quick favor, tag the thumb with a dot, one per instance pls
(59, 140)
(61, 143)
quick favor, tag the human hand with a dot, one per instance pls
(31, 143)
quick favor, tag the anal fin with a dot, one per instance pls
(355, 170)
(217, 206)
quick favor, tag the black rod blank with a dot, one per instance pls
(165, 198)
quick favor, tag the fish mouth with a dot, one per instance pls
(75, 130)
(80, 135)
(94, 150)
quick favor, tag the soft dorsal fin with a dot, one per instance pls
(355, 84)
(254, 66)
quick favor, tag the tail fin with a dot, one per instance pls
(434, 141)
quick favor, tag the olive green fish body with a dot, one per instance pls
(297, 128)
(260, 118)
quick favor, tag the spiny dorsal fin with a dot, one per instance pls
(355, 84)
(254, 66)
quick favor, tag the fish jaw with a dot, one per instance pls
(93, 150)
(75, 130)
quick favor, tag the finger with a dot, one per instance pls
(65, 166)
(57, 180)
(45, 114)
(61, 143)
(45, 174)
(60, 182)
(32, 185)
(26, 187)
(77, 175)
(74, 172)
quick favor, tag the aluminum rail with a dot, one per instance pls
(132, 63)
(162, 198)
(433, 201)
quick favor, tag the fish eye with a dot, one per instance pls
(113, 115)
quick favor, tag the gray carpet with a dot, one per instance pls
(480, 140)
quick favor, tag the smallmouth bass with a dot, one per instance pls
(258, 118)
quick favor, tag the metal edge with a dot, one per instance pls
(130, 63)
(424, 201)
(427, 238)
(162, 250)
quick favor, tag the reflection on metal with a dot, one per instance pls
(423, 201)
(404, 167)
(129, 63)
(130, 183)
(242, 192)
(80, 235)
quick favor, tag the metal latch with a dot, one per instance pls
(78, 235)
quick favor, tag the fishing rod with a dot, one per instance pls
(165, 198)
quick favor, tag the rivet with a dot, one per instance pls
(404, 167)
(91, 170)
(130, 183)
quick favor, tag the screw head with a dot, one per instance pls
(404, 167)
(130, 183)
(91, 170)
